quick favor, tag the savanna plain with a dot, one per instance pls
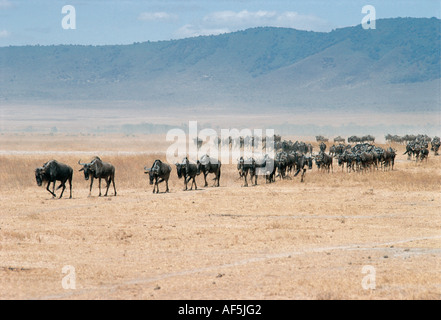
(339, 235)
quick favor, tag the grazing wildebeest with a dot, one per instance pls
(97, 169)
(188, 171)
(53, 171)
(207, 165)
(247, 166)
(158, 173)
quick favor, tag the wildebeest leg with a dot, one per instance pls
(194, 181)
(63, 184)
(47, 188)
(70, 187)
(113, 182)
(245, 178)
(107, 185)
(205, 178)
(218, 177)
(166, 185)
(90, 189)
(303, 174)
(185, 184)
(156, 186)
(99, 186)
(189, 178)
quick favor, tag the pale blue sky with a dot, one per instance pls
(99, 22)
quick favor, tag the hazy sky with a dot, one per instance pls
(126, 21)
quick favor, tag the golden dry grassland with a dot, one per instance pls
(286, 240)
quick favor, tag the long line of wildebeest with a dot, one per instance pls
(291, 158)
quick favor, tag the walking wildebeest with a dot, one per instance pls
(247, 166)
(188, 171)
(53, 171)
(300, 161)
(324, 161)
(97, 169)
(158, 173)
(207, 165)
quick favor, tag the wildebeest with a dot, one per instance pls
(53, 171)
(207, 165)
(324, 161)
(300, 161)
(424, 153)
(158, 173)
(246, 167)
(97, 169)
(188, 171)
(389, 158)
(436, 142)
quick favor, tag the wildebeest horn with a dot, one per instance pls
(82, 164)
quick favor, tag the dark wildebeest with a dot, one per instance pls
(389, 158)
(188, 171)
(300, 161)
(207, 165)
(158, 173)
(53, 171)
(436, 142)
(247, 166)
(282, 164)
(265, 166)
(324, 161)
(97, 169)
(424, 153)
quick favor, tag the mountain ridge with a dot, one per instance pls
(253, 68)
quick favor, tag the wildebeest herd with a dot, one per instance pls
(290, 159)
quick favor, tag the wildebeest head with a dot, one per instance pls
(39, 176)
(309, 162)
(151, 174)
(180, 169)
(86, 168)
(153, 171)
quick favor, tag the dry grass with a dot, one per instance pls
(285, 240)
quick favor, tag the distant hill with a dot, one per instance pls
(397, 66)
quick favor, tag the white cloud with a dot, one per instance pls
(189, 30)
(157, 16)
(240, 18)
(4, 34)
(229, 21)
